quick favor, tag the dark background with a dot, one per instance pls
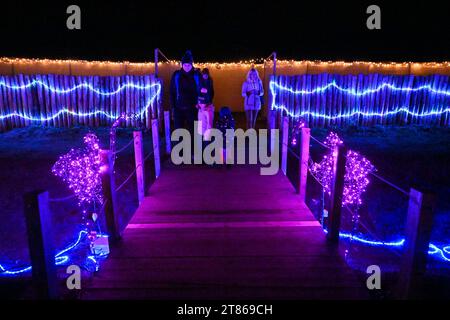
(227, 30)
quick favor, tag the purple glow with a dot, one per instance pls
(357, 168)
(296, 130)
(81, 169)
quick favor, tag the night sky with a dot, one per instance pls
(227, 30)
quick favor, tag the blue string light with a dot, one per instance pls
(355, 93)
(60, 259)
(433, 249)
(77, 87)
(85, 114)
(360, 113)
(275, 86)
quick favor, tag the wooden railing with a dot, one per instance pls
(419, 215)
(37, 209)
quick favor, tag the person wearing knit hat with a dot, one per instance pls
(184, 92)
(187, 58)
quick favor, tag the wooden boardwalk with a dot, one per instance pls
(212, 233)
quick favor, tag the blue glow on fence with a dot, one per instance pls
(361, 113)
(83, 114)
(275, 86)
(397, 243)
(355, 92)
(77, 87)
(433, 249)
(59, 258)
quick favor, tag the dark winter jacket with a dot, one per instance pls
(184, 89)
(206, 98)
(226, 120)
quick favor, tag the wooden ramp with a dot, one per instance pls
(212, 233)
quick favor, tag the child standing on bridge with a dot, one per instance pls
(205, 106)
(226, 121)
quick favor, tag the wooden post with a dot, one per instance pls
(284, 147)
(139, 162)
(417, 240)
(109, 196)
(167, 131)
(155, 137)
(40, 243)
(337, 190)
(271, 120)
(274, 63)
(304, 158)
(271, 117)
(156, 62)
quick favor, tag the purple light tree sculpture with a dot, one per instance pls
(296, 130)
(357, 169)
(81, 170)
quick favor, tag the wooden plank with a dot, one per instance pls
(224, 293)
(71, 120)
(26, 107)
(167, 131)
(139, 163)
(40, 243)
(109, 196)
(11, 102)
(417, 239)
(155, 138)
(52, 101)
(118, 97)
(41, 98)
(158, 263)
(256, 240)
(3, 107)
(304, 158)
(337, 191)
(284, 144)
(232, 224)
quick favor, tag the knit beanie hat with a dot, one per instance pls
(187, 58)
(224, 112)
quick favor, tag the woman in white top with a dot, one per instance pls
(252, 91)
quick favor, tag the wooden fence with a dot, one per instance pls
(64, 100)
(366, 99)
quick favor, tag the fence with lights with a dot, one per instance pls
(92, 174)
(324, 100)
(333, 179)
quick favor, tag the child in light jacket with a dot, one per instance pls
(205, 106)
(252, 91)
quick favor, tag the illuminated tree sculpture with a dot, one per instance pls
(296, 130)
(357, 169)
(81, 169)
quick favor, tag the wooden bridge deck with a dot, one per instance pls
(210, 233)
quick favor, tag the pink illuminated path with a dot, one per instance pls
(207, 233)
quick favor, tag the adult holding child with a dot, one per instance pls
(252, 91)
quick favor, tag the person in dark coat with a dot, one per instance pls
(184, 93)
